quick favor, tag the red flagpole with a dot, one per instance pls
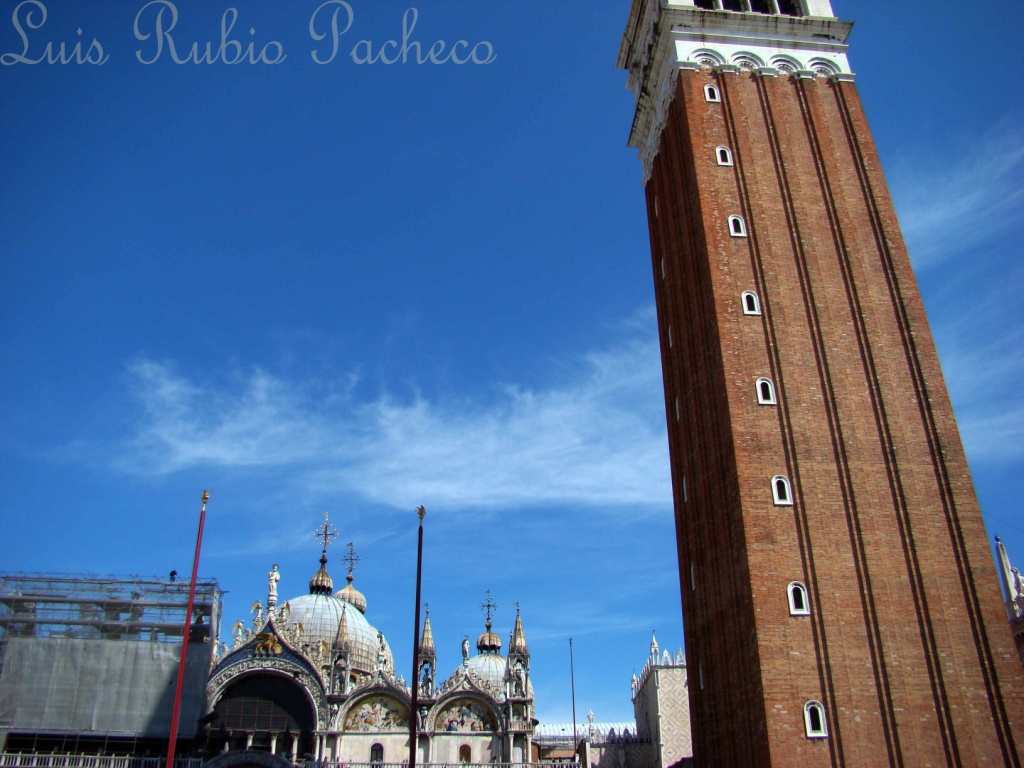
(414, 713)
(172, 742)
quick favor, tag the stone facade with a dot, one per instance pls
(312, 679)
(662, 708)
(1013, 588)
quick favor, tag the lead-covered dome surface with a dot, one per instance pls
(489, 667)
(320, 617)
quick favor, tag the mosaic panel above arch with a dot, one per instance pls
(466, 716)
(376, 714)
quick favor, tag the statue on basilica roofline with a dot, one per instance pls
(272, 578)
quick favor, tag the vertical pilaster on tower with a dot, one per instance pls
(840, 602)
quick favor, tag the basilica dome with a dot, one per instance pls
(489, 667)
(333, 620)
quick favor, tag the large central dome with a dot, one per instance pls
(333, 620)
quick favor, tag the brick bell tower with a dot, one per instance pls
(840, 600)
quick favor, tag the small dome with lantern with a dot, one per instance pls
(488, 666)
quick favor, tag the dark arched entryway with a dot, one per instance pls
(265, 713)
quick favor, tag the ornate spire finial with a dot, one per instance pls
(488, 642)
(517, 643)
(350, 594)
(352, 558)
(488, 606)
(426, 649)
(327, 532)
(321, 583)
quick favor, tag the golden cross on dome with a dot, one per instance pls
(327, 532)
(489, 605)
(352, 558)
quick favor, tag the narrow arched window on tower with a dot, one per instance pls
(662, 268)
(765, 392)
(724, 156)
(751, 304)
(737, 227)
(465, 754)
(679, 413)
(781, 492)
(670, 337)
(377, 753)
(814, 720)
(711, 93)
(798, 605)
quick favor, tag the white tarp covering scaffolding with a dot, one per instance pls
(99, 655)
(57, 685)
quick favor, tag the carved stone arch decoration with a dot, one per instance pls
(473, 684)
(822, 67)
(374, 712)
(464, 712)
(748, 62)
(708, 59)
(786, 64)
(248, 759)
(268, 642)
(277, 667)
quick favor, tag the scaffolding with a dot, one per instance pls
(97, 656)
(96, 607)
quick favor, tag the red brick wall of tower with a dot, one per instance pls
(906, 645)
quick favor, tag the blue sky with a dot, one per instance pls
(364, 287)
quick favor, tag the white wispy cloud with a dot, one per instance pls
(595, 439)
(947, 206)
(983, 370)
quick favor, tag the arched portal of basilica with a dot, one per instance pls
(311, 679)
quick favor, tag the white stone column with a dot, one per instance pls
(273, 743)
